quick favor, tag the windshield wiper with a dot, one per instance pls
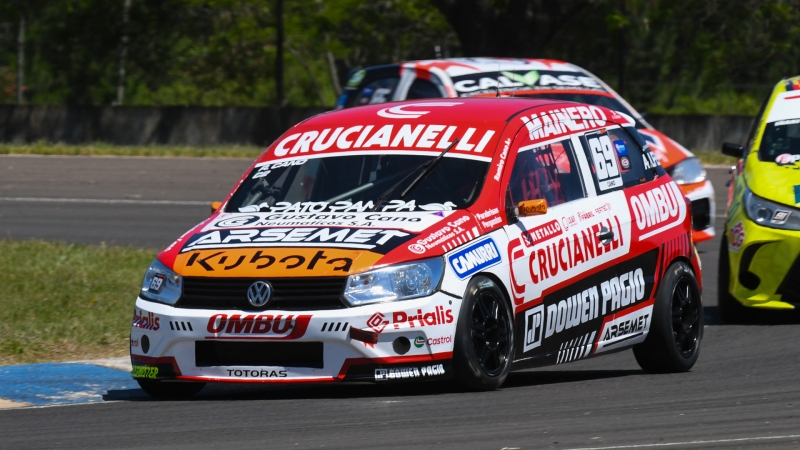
(428, 168)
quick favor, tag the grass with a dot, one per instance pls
(101, 149)
(61, 302)
(231, 151)
(714, 157)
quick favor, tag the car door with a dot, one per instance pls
(558, 312)
(625, 176)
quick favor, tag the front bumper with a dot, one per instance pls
(765, 270)
(402, 341)
(703, 209)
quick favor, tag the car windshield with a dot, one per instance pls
(592, 99)
(781, 137)
(355, 182)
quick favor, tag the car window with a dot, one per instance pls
(617, 160)
(423, 89)
(377, 91)
(547, 172)
(359, 179)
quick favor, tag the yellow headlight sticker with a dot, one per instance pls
(274, 262)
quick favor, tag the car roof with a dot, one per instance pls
(482, 114)
(462, 66)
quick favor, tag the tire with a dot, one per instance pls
(673, 343)
(730, 310)
(484, 344)
(167, 389)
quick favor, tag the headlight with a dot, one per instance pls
(394, 283)
(688, 171)
(161, 284)
(770, 214)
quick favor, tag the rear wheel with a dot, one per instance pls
(673, 343)
(484, 344)
(730, 309)
(170, 389)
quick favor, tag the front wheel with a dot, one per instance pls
(170, 389)
(484, 344)
(673, 343)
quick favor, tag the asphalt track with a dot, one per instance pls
(743, 392)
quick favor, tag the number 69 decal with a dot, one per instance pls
(605, 160)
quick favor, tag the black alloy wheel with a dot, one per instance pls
(484, 341)
(686, 312)
(676, 326)
(490, 333)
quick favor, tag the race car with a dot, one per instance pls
(759, 265)
(444, 239)
(537, 78)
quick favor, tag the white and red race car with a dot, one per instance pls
(535, 78)
(429, 240)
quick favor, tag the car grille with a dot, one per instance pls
(288, 294)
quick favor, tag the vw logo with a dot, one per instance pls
(258, 293)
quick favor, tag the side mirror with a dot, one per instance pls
(512, 213)
(215, 206)
(532, 207)
(735, 150)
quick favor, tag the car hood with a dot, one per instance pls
(315, 244)
(769, 180)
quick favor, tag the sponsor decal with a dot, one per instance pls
(293, 262)
(786, 159)
(568, 221)
(142, 371)
(736, 237)
(780, 217)
(563, 323)
(439, 316)
(537, 235)
(377, 322)
(793, 85)
(658, 209)
(625, 329)
(454, 234)
(507, 80)
(563, 121)
(134, 342)
(474, 258)
(265, 169)
(334, 237)
(419, 342)
(402, 111)
(502, 162)
(492, 214)
(409, 372)
(440, 340)
(145, 320)
(267, 326)
(345, 209)
(366, 137)
(534, 323)
(256, 373)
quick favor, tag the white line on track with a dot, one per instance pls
(110, 201)
(670, 444)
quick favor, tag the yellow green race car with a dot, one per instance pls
(759, 265)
